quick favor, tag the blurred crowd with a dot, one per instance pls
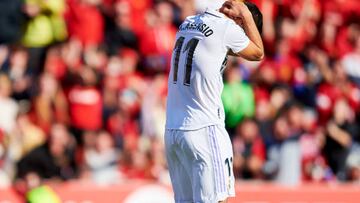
(83, 87)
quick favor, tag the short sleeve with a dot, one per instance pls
(235, 38)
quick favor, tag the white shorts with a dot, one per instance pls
(200, 164)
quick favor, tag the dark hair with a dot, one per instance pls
(257, 15)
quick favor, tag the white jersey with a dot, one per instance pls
(195, 80)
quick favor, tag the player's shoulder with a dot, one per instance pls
(191, 18)
(217, 15)
(209, 15)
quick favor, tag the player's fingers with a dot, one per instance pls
(231, 8)
(230, 13)
(225, 10)
(227, 5)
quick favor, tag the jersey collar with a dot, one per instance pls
(214, 13)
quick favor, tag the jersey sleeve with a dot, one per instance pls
(235, 38)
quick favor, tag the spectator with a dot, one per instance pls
(284, 158)
(95, 57)
(19, 73)
(119, 33)
(312, 140)
(336, 86)
(121, 75)
(153, 108)
(294, 114)
(237, 96)
(24, 138)
(4, 58)
(158, 161)
(351, 62)
(286, 64)
(136, 164)
(346, 39)
(71, 53)
(129, 76)
(353, 163)
(85, 22)
(54, 62)
(85, 103)
(11, 20)
(45, 26)
(264, 113)
(138, 12)
(31, 135)
(37, 191)
(89, 142)
(185, 8)
(128, 85)
(102, 160)
(53, 160)
(279, 97)
(50, 105)
(156, 41)
(249, 151)
(8, 106)
(5, 179)
(123, 124)
(340, 132)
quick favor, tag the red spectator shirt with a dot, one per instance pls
(85, 22)
(285, 68)
(139, 9)
(85, 108)
(327, 95)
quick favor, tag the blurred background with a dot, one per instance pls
(83, 87)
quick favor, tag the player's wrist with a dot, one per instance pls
(245, 15)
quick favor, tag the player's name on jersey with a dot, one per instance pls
(201, 27)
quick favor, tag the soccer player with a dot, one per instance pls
(198, 148)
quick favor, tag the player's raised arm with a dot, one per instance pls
(240, 13)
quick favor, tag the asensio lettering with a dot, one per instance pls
(201, 27)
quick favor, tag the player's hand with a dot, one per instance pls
(236, 10)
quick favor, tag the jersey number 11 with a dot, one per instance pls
(190, 49)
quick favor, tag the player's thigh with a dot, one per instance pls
(179, 174)
(212, 155)
(216, 179)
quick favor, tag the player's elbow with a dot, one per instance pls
(252, 53)
(256, 56)
(259, 55)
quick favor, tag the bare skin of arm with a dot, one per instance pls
(339, 135)
(238, 11)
